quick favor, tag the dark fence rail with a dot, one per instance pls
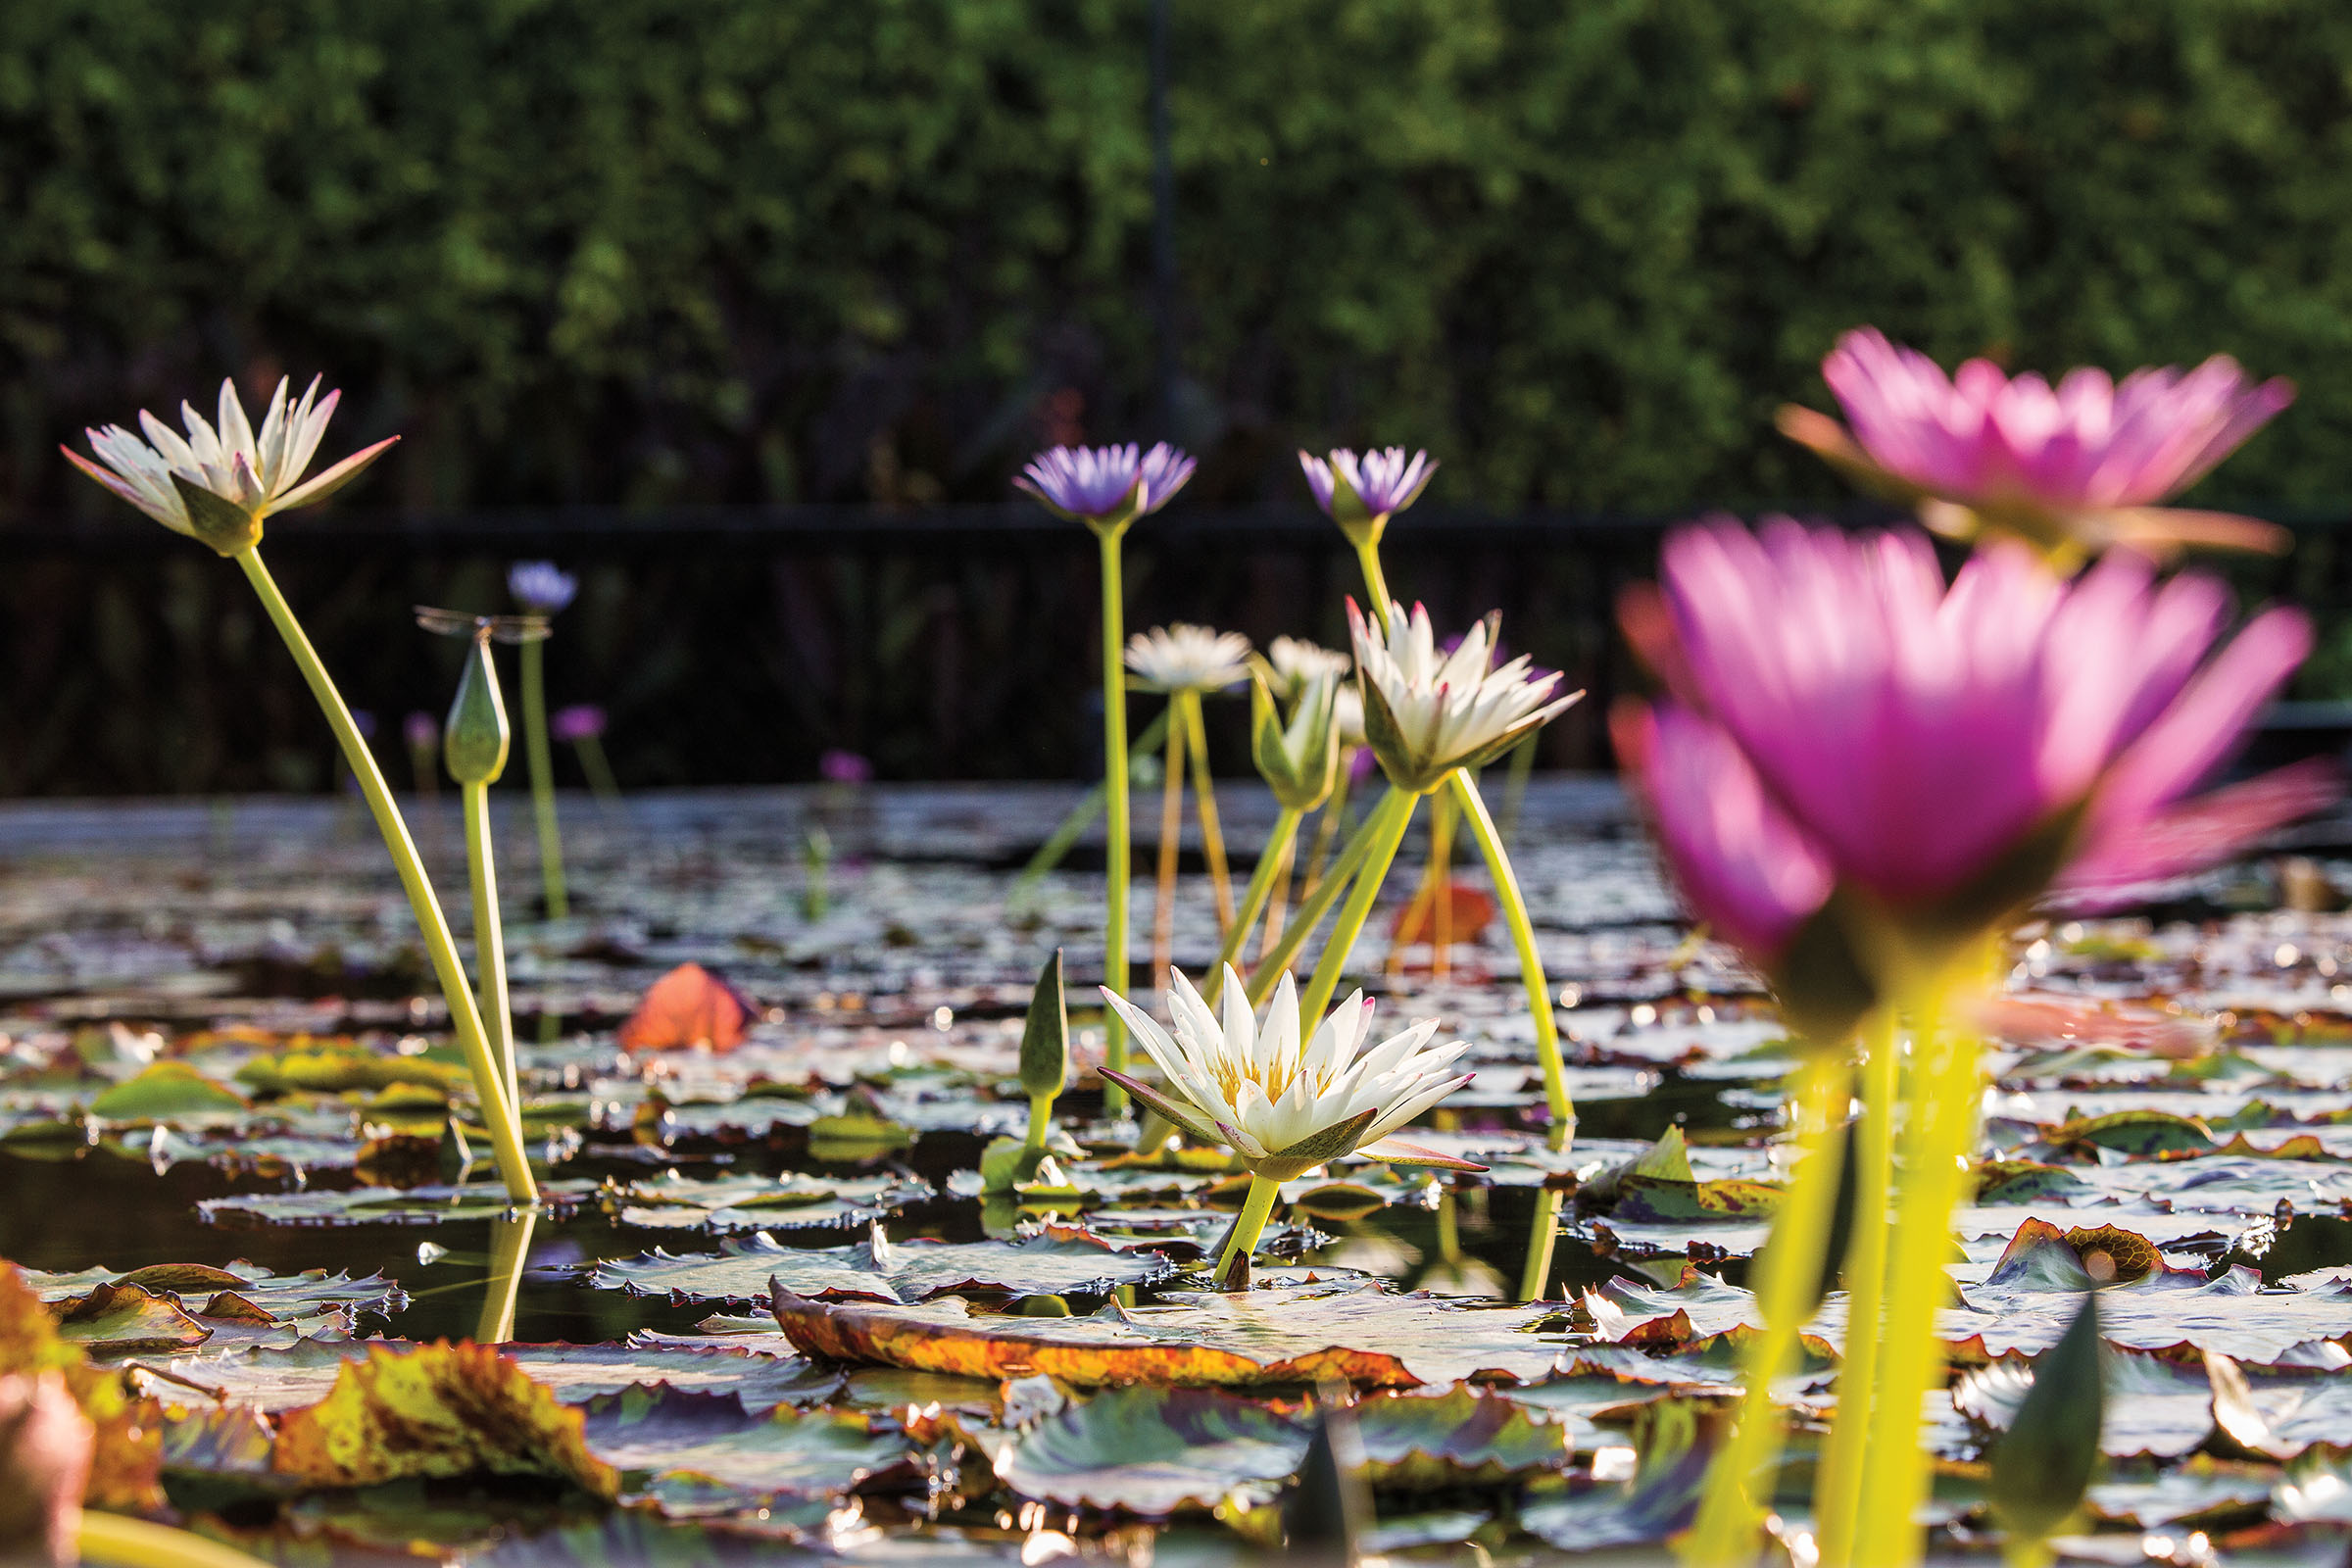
(734, 644)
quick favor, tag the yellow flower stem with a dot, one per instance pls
(1114, 799)
(111, 1541)
(1514, 789)
(1204, 802)
(1389, 821)
(465, 1019)
(1352, 856)
(1171, 836)
(1838, 1486)
(543, 778)
(1433, 899)
(1254, 896)
(1376, 582)
(1523, 939)
(1789, 1270)
(1041, 1120)
(1327, 828)
(1940, 1116)
(1278, 901)
(509, 1249)
(600, 782)
(489, 939)
(1543, 1230)
(1255, 1208)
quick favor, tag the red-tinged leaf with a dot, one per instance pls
(688, 1008)
(1469, 912)
(126, 1462)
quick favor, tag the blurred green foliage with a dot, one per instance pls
(660, 251)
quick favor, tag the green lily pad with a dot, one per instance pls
(1154, 1451)
(166, 1091)
(1055, 1261)
(387, 1205)
(1463, 1437)
(756, 1203)
(703, 1452)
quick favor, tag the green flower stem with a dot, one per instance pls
(1171, 836)
(1352, 856)
(600, 782)
(1389, 821)
(1115, 797)
(1278, 901)
(1523, 939)
(1041, 1120)
(1254, 896)
(1837, 1486)
(1543, 1230)
(1940, 1115)
(1334, 816)
(1251, 1224)
(1089, 808)
(1726, 1532)
(509, 1247)
(543, 778)
(111, 1541)
(1376, 582)
(489, 939)
(1514, 789)
(1204, 802)
(505, 1132)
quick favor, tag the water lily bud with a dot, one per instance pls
(473, 742)
(1046, 1038)
(1301, 759)
(45, 1444)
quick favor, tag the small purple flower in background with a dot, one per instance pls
(364, 721)
(540, 588)
(2086, 463)
(581, 721)
(838, 766)
(1105, 487)
(422, 729)
(1361, 493)
(1841, 719)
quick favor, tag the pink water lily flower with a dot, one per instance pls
(2089, 462)
(1842, 720)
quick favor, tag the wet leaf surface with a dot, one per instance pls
(1055, 1261)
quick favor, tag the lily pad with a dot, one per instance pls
(704, 1452)
(1154, 1451)
(387, 1205)
(1463, 1437)
(1056, 1261)
(760, 1202)
(168, 1091)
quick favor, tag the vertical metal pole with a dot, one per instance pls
(1163, 222)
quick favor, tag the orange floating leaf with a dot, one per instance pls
(1470, 911)
(126, 1466)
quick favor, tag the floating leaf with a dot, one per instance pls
(167, 1091)
(1155, 1450)
(127, 1455)
(687, 1007)
(126, 1320)
(437, 1410)
(1056, 1261)
(704, 1452)
(385, 1206)
(340, 1071)
(1286, 1334)
(1463, 1437)
(753, 1202)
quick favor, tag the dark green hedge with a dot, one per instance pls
(728, 250)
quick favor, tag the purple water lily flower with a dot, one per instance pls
(1360, 493)
(1105, 487)
(581, 721)
(540, 587)
(838, 766)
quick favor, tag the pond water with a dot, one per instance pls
(2184, 1076)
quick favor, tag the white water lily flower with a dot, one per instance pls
(1297, 662)
(1284, 1102)
(1428, 712)
(1183, 657)
(220, 480)
(1348, 703)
